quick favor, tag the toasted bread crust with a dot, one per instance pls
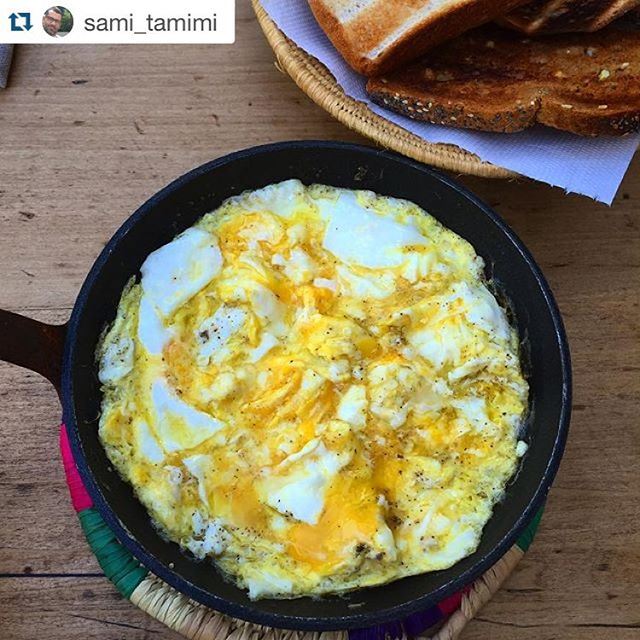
(615, 11)
(492, 79)
(354, 39)
(336, 32)
(566, 16)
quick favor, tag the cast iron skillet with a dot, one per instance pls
(65, 355)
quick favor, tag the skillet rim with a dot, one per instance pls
(325, 623)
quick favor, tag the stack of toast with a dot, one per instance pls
(569, 64)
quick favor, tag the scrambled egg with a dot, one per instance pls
(315, 388)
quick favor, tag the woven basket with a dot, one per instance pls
(197, 622)
(318, 83)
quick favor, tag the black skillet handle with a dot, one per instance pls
(33, 345)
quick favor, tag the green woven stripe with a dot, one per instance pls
(525, 540)
(117, 563)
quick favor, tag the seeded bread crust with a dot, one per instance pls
(354, 39)
(493, 79)
(564, 16)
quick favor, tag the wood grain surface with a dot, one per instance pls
(88, 133)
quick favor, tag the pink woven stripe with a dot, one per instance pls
(79, 495)
(452, 603)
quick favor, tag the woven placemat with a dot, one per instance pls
(197, 622)
(318, 83)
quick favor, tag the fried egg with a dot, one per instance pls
(316, 389)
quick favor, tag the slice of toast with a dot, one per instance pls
(564, 16)
(375, 36)
(493, 79)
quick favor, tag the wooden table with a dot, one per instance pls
(88, 133)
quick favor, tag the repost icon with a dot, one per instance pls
(20, 21)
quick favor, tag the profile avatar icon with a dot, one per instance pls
(57, 21)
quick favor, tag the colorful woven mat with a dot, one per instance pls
(197, 622)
